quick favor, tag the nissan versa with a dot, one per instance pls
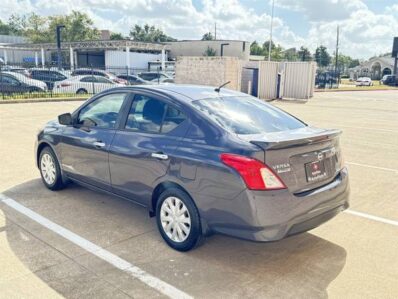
(201, 159)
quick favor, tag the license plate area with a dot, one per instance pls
(315, 171)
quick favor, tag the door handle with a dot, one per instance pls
(159, 156)
(99, 144)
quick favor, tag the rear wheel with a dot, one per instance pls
(50, 170)
(178, 220)
(81, 91)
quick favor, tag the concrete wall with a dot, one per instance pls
(238, 49)
(212, 71)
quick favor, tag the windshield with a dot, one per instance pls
(247, 115)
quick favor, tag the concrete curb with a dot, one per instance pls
(343, 90)
(41, 100)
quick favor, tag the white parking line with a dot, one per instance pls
(375, 218)
(371, 166)
(103, 254)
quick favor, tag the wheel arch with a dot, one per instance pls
(159, 190)
(170, 184)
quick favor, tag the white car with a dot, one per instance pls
(84, 84)
(21, 82)
(363, 81)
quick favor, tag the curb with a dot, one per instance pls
(41, 100)
(340, 90)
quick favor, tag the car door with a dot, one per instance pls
(85, 145)
(142, 149)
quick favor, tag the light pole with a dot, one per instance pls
(59, 61)
(270, 32)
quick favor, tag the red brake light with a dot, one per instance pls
(255, 174)
(65, 84)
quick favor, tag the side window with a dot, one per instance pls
(172, 119)
(103, 112)
(88, 79)
(9, 80)
(146, 114)
(103, 80)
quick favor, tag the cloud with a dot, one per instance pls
(323, 10)
(363, 32)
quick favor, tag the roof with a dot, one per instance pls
(193, 92)
(93, 44)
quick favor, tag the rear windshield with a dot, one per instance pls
(247, 115)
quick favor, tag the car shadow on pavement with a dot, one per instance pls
(300, 266)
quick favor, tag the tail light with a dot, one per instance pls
(256, 175)
(64, 85)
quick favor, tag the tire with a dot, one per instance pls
(187, 240)
(50, 170)
(81, 91)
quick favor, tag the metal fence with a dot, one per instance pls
(28, 81)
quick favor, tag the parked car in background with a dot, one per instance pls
(391, 80)
(11, 82)
(133, 79)
(364, 81)
(156, 76)
(15, 69)
(97, 72)
(47, 76)
(201, 160)
(84, 84)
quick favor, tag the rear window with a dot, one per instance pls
(247, 115)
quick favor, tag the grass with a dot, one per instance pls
(347, 85)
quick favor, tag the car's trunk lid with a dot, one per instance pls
(304, 158)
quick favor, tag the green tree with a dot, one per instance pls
(322, 56)
(207, 36)
(5, 29)
(116, 36)
(290, 54)
(78, 27)
(149, 34)
(210, 52)
(304, 54)
(256, 49)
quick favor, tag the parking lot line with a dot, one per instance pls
(371, 166)
(375, 218)
(98, 251)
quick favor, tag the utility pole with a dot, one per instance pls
(270, 32)
(59, 60)
(337, 56)
(215, 30)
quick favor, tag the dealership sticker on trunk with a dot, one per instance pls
(315, 171)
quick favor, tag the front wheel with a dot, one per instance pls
(178, 220)
(50, 170)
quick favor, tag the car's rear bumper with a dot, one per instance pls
(274, 215)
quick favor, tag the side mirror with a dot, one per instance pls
(65, 119)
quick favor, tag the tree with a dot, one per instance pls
(149, 34)
(78, 27)
(322, 56)
(39, 29)
(5, 29)
(256, 49)
(210, 52)
(304, 54)
(207, 36)
(116, 36)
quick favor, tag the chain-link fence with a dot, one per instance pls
(27, 81)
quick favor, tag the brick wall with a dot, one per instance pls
(212, 71)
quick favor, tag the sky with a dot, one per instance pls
(367, 27)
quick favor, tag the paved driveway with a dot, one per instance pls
(77, 243)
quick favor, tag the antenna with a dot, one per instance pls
(217, 89)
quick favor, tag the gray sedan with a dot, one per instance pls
(202, 160)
